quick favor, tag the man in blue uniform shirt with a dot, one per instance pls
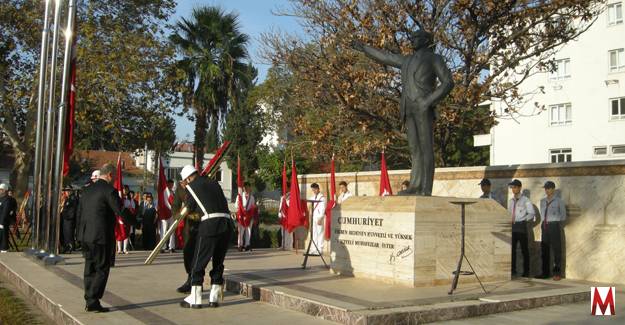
(553, 212)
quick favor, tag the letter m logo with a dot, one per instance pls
(602, 297)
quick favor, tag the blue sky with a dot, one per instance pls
(255, 17)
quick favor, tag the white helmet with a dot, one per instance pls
(95, 175)
(4, 187)
(187, 171)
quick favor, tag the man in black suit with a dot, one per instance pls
(206, 197)
(68, 218)
(97, 208)
(5, 218)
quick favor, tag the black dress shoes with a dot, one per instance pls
(213, 304)
(97, 309)
(185, 288)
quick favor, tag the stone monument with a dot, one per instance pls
(415, 240)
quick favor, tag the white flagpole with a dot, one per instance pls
(43, 68)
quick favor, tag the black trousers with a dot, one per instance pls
(69, 228)
(521, 237)
(207, 248)
(4, 239)
(98, 259)
(552, 240)
(188, 251)
(148, 237)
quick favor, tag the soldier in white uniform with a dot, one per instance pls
(287, 237)
(318, 215)
(245, 222)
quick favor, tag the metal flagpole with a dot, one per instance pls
(49, 140)
(60, 134)
(43, 68)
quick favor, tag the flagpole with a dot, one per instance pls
(43, 68)
(49, 140)
(62, 114)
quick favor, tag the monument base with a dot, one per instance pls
(415, 241)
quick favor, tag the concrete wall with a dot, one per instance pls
(594, 193)
(529, 137)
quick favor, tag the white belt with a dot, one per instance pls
(214, 215)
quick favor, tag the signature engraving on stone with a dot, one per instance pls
(400, 254)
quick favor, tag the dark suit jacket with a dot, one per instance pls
(99, 204)
(5, 216)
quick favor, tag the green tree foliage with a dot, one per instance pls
(126, 88)
(212, 48)
(339, 101)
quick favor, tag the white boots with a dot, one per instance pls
(194, 300)
(217, 295)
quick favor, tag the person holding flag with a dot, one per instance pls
(121, 231)
(297, 214)
(318, 217)
(283, 213)
(246, 214)
(165, 199)
(331, 204)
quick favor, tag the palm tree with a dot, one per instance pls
(212, 49)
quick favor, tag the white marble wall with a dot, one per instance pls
(594, 193)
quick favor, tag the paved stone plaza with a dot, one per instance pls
(275, 290)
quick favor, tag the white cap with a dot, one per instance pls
(4, 187)
(187, 171)
(95, 175)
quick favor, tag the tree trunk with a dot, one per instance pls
(20, 173)
(213, 136)
(200, 136)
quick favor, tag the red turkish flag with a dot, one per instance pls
(215, 158)
(297, 209)
(284, 209)
(331, 203)
(119, 182)
(120, 229)
(70, 119)
(385, 183)
(165, 197)
(242, 217)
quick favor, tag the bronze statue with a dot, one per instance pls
(420, 94)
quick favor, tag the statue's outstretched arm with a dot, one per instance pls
(381, 56)
(446, 82)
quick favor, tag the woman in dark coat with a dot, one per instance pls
(147, 213)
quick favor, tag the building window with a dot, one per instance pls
(600, 151)
(615, 13)
(617, 60)
(618, 150)
(617, 108)
(560, 114)
(173, 173)
(562, 71)
(560, 155)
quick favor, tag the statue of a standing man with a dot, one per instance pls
(420, 94)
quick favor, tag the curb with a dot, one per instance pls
(46, 305)
(409, 314)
